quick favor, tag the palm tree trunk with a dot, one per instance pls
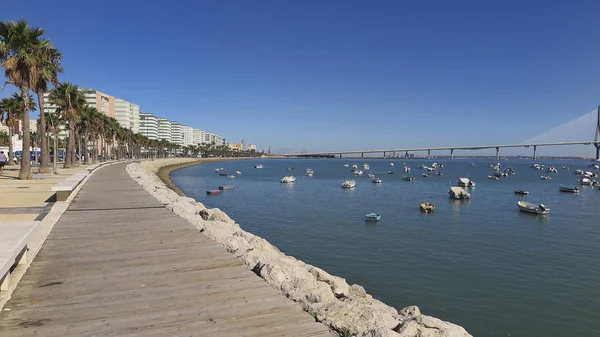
(55, 162)
(25, 172)
(11, 152)
(44, 167)
(70, 144)
(85, 153)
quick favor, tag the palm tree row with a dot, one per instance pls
(32, 63)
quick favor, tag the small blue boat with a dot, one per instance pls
(372, 217)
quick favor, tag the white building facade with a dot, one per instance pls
(164, 129)
(148, 125)
(127, 114)
(188, 135)
(176, 133)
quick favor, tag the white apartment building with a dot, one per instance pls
(164, 129)
(127, 114)
(148, 125)
(176, 133)
(188, 135)
(198, 137)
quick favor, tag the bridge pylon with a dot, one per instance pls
(596, 144)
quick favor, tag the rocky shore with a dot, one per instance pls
(345, 308)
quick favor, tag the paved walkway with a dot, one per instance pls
(28, 200)
(118, 263)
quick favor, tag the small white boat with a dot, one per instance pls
(238, 172)
(354, 166)
(371, 175)
(372, 217)
(473, 164)
(358, 173)
(551, 169)
(259, 166)
(345, 164)
(546, 177)
(391, 164)
(458, 193)
(226, 187)
(494, 177)
(231, 176)
(288, 179)
(219, 169)
(309, 170)
(578, 172)
(376, 181)
(585, 182)
(366, 166)
(426, 175)
(528, 207)
(309, 174)
(406, 169)
(348, 184)
(465, 182)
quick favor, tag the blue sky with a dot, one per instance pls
(337, 75)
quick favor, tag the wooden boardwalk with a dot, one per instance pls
(119, 264)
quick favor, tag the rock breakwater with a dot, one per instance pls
(330, 299)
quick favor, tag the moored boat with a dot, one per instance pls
(494, 177)
(390, 172)
(376, 181)
(569, 189)
(345, 164)
(231, 176)
(528, 207)
(546, 177)
(259, 166)
(358, 172)
(213, 192)
(348, 184)
(238, 172)
(521, 192)
(226, 187)
(408, 178)
(373, 217)
(288, 179)
(354, 166)
(425, 175)
(223, 174)
(427, 207)
(586, 182)
(371, 175)
(366, 166)
(391, 164)
(458, 193)
(465, 182)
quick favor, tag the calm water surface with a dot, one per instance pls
(481, 263)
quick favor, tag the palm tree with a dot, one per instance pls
(69, 101)
(20, 48)
(53, 123)
(9, 114)
(49, 66)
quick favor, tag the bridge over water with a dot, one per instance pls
(533, 143)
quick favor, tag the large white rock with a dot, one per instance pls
(338, 285)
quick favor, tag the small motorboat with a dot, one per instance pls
(528, 207)
(458, 193)
(345, 164)
(565, 168)
(427, 207)
(288, 179)
(213, 192)
(390, 172)
(391, 164)
(309, 174)
(551, 169)
(366, 166)
(358, 173)
(565, 189)
(371, 175)
(426, 175)
(309, 170)
(521, 192)
(439, 173)
(348, 184)
(258, 166)
(465, 182)
(408, 178)
(473, 164)
(238, 172)
(226, 187)
(372, 217)
(546, 177)
(494, 177)
(219, 169)
(578, 172)
(376, 181)
(585, 182)
(354, 166)
(406, 169)
(231, 176)
(289, 168)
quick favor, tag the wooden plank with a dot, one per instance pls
(114, 265)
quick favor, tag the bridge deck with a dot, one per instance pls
(118, 263)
